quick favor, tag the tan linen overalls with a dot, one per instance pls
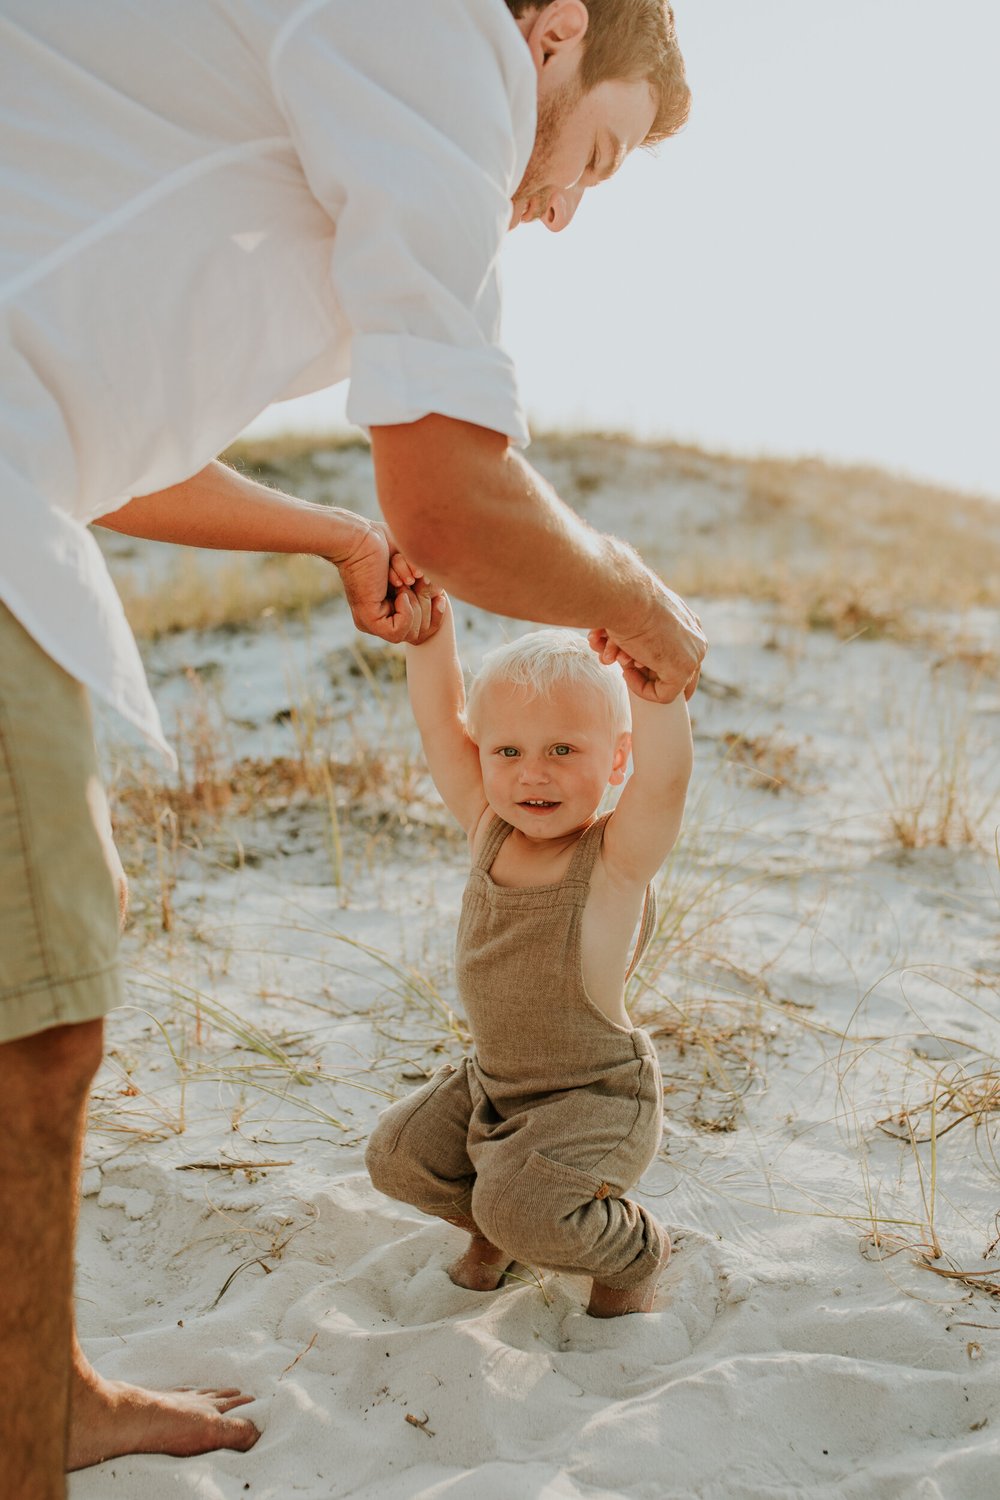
(539, 1134)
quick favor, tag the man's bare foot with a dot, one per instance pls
(612, 1302)
(109, 1419)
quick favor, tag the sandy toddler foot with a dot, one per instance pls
(482, 1267)
(109, 1419)
(613, 1302)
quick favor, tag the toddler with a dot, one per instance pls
(533, 1142)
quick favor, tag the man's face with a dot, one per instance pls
(582, 139)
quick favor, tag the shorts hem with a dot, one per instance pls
(644, 1264)
(61, 1002)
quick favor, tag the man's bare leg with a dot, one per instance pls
(43, 1092)
(483, 1266)
(44, 1082)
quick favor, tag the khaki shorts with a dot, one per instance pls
(59, 869)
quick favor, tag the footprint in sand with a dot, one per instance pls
(389, 1267)
(693, 1290)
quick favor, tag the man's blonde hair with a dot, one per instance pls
(544, 659)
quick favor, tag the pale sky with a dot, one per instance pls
(811, 267)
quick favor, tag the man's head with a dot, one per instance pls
(610, 78)
(552, 726)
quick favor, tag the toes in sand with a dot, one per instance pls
(110, 1419)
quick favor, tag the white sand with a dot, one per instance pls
(786, 1356)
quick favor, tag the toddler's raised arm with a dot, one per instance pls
(647, 820)
(437, 696)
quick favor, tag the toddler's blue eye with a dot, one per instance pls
(508, 751)
(562, 749)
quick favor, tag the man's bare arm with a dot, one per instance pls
(487, 527)
(219, 508)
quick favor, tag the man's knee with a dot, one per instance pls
(45, 1077)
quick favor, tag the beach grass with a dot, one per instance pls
(840, 552)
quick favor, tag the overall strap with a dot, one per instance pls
(647, 926)
(585, 854)
(495, 834)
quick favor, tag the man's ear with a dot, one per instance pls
(619, 765)
(555, 39)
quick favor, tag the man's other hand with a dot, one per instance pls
(663, 657)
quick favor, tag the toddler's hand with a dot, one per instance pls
(428, 600)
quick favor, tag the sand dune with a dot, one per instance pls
(823, 991)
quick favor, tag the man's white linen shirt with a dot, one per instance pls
(211, 205)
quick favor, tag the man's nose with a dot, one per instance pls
(561, 207)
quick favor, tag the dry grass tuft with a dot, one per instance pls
(940, 781)
(710, 1060)
(956, 1098)
(251, 785)
(975, 660)
(773, 762)
(849, 616)
(200, 593)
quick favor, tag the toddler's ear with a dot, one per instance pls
(619, 765)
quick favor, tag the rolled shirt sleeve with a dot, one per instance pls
(439, 125)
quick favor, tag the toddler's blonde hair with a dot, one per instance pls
(548, 658)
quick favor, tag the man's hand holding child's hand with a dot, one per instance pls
(388, 596)
(641, 680)
(662, 660)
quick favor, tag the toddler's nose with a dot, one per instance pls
(533, 773)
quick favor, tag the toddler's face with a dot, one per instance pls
(546, 760)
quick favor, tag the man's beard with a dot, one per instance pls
(552, 111)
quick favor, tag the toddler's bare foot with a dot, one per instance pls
(612, 1302)
(109, 1419)
(482, 1267)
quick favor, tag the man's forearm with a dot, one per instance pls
(219, 508)
(486, 526)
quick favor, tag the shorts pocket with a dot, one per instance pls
(23, 959)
